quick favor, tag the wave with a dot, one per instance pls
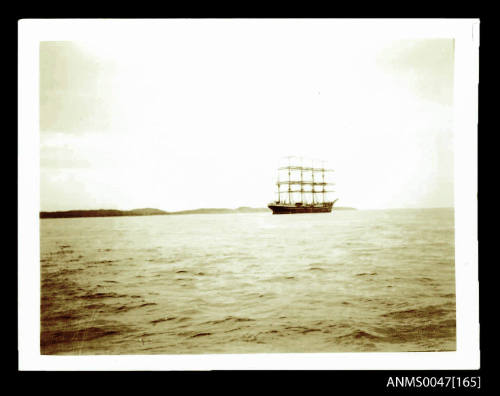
(156, 321)
(63, 316)
(93, 296)
(229, 319)
(420, 334)
(126, 308)
(366, 273)
(50, 337)
(200, 335)
(358, 335)
(426, 312)
(310, 331)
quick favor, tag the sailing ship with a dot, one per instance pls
(311, 200)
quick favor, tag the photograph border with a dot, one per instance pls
(465, 32)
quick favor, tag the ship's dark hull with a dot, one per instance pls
(295, 209)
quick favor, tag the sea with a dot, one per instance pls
(346, 281)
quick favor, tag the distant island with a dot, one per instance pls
(152, 212)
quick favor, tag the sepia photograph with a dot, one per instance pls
(250, 186)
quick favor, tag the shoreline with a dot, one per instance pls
(151, 212)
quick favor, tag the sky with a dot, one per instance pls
(198, 118)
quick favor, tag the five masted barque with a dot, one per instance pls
(310, 178)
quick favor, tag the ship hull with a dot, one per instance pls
(295, 209)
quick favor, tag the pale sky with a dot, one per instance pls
(201, 117)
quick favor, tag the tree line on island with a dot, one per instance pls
(152, 212)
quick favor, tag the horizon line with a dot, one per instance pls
(235, 208)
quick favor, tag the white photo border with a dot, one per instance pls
(465, 32)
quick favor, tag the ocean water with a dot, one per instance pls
(349, 281)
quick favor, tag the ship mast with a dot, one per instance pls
(313, 184)
(301, 180)
(279, 199)
(289, 183)
(323, 179)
